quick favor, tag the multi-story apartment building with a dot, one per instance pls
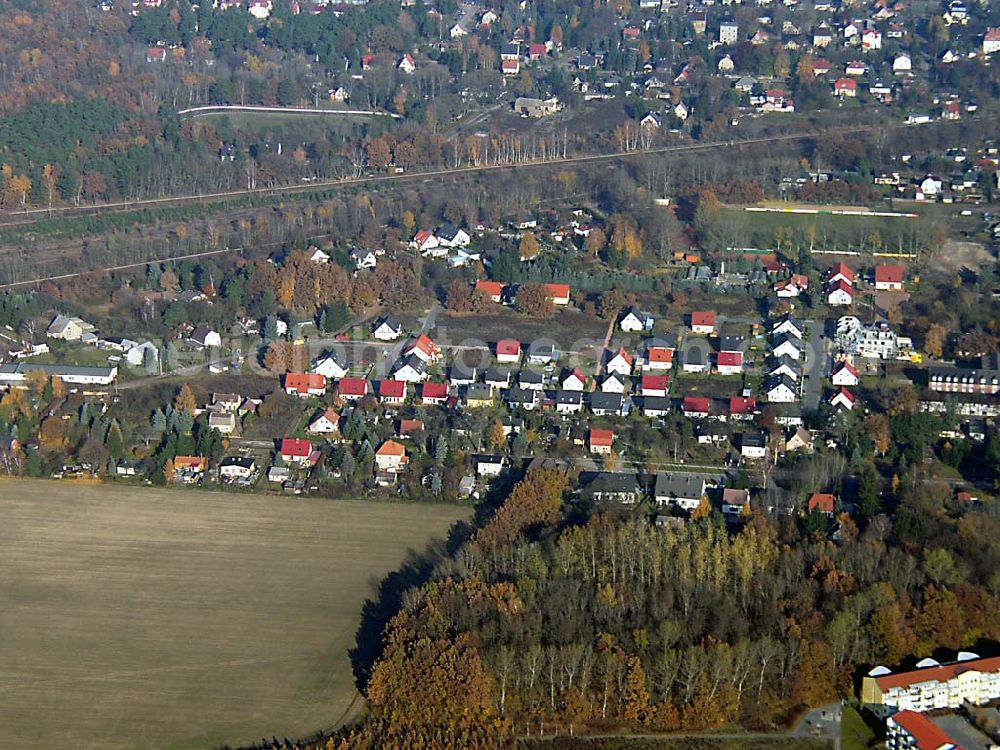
(973, 680)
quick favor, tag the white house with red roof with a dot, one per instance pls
(654, 385)
(845, 87)
(844, 374)
(352, 389)
(492, 289)
(434, 393)
(841, 399)
(659, 358)
(325, 423)
(558, 293)
(423, 348)
(991, 41)
(296, 450)
(742, 407)
(621, 363)
(407, 64)
(729, 363)
(391, 457)
(840, 272)
(574, 381)
(508, 350)
(703, 322)
(305, 384)
(392, 392)
(792, 287)
(889, 277)
(601, 441)
(427, 243)
(840, 294)
(696, 407)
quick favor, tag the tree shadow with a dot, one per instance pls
(415, 570)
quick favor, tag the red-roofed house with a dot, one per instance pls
(696, 406)
(991, 41)
(601, 441)
(407, 64)
(392, 392)
(840, 271)
(703, 321)
(621, 363)
(305, 384)
(841, 398)
(156, 54)
(423, 348)
(889, 277)
(390, 457)
(325, 423)
(536, 51)
(508, 350)
(425, 242)
(824, 502)
(492, 289)
(409, 426)
(654, 385)
(845, 87)
(844, 373)
(558, 293)
(510, 67)
(742, 407)
(840, 293)
(574, 381)
(729, 363)
(352, 389)
(296, 450)
(659, 358)
(434, 393)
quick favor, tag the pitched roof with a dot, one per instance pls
(654, 382)
(623, 354)
(696, 403)
(822, 501)
(560, 291)
(742, 405)
(601, 437)
(492, 288)
(352, 386)
(304, 381)
(391, 448)
(295, 447)
(703, 318)
(841, 284)
(889, 274)
(660, 355)
(842, 269)
(434, 390)
(391, 388)
(730, 359)
(508, 347)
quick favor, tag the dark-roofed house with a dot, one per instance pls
(678, 488)
(608, 404)
(614, 487)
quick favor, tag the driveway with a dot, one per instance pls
(818, 359)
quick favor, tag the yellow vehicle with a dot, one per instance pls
(917, 358)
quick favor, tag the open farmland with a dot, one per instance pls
(172, 619)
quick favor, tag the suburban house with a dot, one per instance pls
(753, 445)
(490, 466)
(363, 258)
(614, 487)
(352, 389)
(686, 491)
(660, 354)
(491, 289)
(234, 468)
(787, 324)
(614, 383)
(497, 378)
(296, 450)
(427, 243)
(558, 293)
(841, 399)
(784, 366)
(325, 423)
(844, 374)
(451, 236)
(542, 353)
(823, 502)
(16, 374)
(964, 380)
(636, 321)
(696, 407)
(932, 685)
(889, 277)
(478, 396)
(188, 469)
(734, 502)
(390, 457)
(909, 730)
(800, 440)
(205, 337)
(305, 384)
(388, 329)
(621, 363)
(508, 350)
(839, 294)
(412, 369)
(600, 441)
(653, 385)
(791, 287)
(569, 402)
(392, 392)
(787, 345)
(434, 393)
(655, 406)
(781, 390)
(407, 64)
(68, 328)
(331, 366)
(574, 381)
(840, 272)
(423, 348)
(729, 363)
(703, 322)
(609, 404)
(223, 421)
(695, 360)
(743, 408)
